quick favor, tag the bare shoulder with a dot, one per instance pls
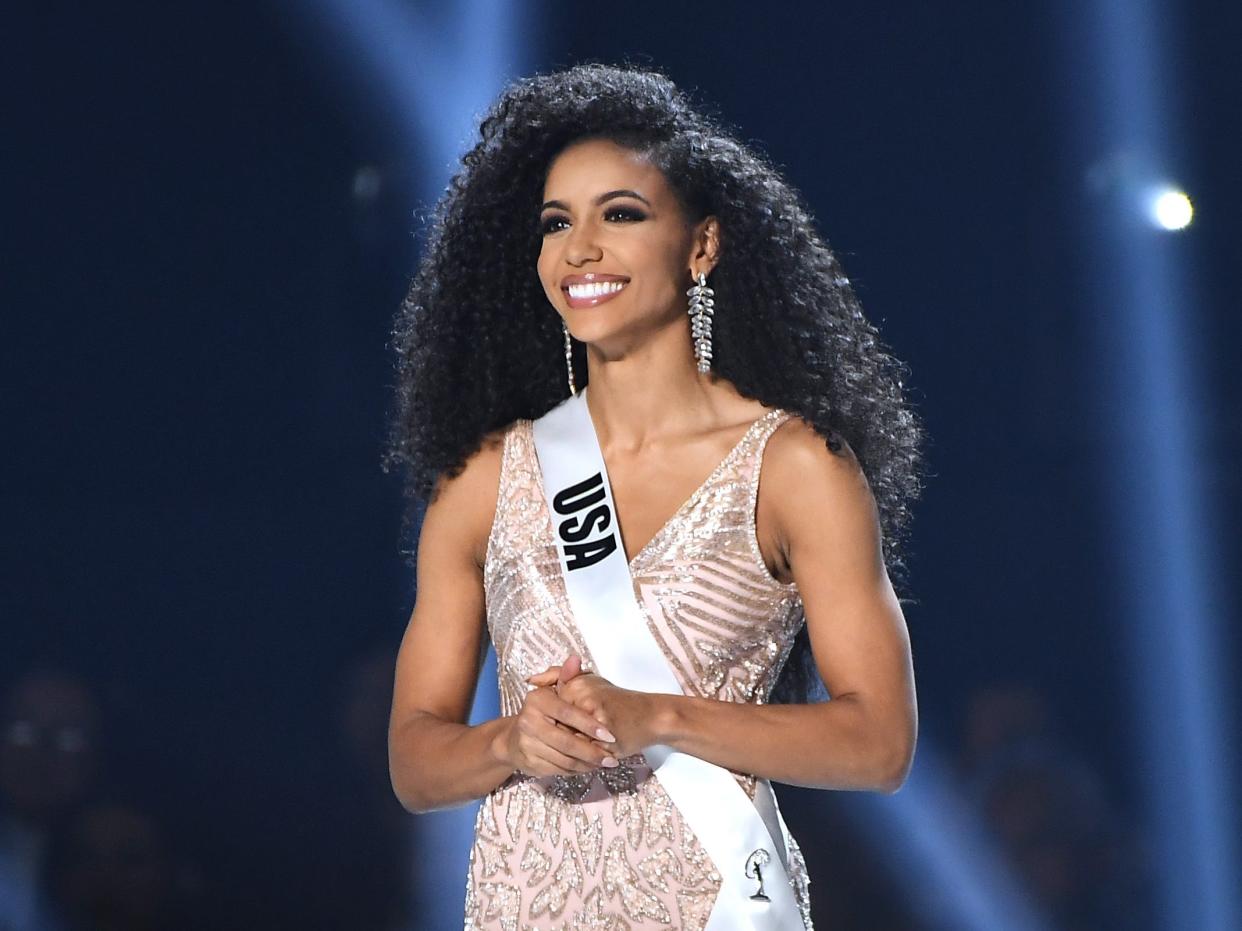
(814, 492)
(463, 505)
(797, 451)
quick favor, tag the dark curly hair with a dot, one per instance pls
(478, 346)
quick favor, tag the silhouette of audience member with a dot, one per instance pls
(49, 730)
(112, 871)
(114, 868)
(366, 859)
(1049, 812)
(1000, 718)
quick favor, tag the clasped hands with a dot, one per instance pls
(575, 722)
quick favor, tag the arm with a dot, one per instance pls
(818, 512)
(435, 759)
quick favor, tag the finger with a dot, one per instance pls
(565, 714)
(570, 668)
(559, 763)
(579, 748)
(547, 677)
(559, 710)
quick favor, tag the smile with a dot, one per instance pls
(592, 293)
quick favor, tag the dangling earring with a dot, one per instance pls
(701, 311)
(569, 358)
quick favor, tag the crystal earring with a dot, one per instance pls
(702, 307)
(569, 358)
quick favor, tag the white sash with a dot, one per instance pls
(749, 849)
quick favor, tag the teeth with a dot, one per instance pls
(595, 289)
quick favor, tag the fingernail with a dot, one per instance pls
(610, 762)
(604, 734)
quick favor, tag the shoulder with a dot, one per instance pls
(797, 449)
(463, 501)
(479, 469)
(813, 489)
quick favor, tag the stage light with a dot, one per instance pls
(427, 78)
(1150, 402)
(1171, 209)
(426, 73)
(942, 855)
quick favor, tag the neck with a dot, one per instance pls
(649, 392)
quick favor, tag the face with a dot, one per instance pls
(617, 250)
(47, 745)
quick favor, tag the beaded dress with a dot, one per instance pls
(608, 849)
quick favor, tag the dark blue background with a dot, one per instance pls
(196, 374)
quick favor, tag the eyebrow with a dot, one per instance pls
(608, 195)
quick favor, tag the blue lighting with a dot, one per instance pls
(427, 74)
(1168, 560)
(942, 854)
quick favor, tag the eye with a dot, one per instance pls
(548, 225)
(626, 214)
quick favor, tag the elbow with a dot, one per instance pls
(895, 767)
(404, 782)
(896, 758)
(409, 799)
(407, 793)
(892, 781)
(414, 798)
(416, 807)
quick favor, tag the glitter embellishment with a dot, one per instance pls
(608, 850)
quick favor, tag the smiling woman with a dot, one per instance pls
(623, 247)
(590, 430)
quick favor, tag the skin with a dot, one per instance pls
(662, 428)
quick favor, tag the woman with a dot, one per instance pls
(604, 233)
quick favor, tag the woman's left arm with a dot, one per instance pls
(818, 510)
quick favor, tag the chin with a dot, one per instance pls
(588, 328)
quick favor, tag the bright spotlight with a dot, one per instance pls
(1171, 209)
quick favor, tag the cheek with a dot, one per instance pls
(655, 269)
(667, 269)
(658, 290)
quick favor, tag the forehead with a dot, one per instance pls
(592, 166)
(51, 700)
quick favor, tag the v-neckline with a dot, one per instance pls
(694, 495)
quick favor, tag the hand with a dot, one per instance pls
(548, 737)
(628, 714)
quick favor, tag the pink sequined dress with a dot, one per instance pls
(607, 849)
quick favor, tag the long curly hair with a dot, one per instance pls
(478, 345)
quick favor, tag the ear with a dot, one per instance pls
(705, 246)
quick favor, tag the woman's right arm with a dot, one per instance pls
(435, 759)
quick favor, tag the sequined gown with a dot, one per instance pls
(607, 849)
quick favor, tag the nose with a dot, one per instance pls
(581, 246)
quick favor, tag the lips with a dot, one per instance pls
(592, 288)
